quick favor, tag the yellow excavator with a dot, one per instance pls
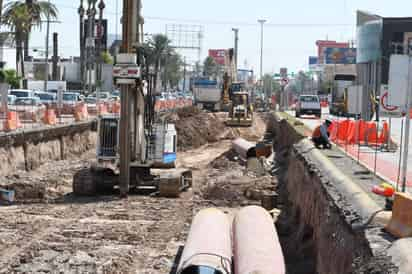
(240, 108)
(235, 98)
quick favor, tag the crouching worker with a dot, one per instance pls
(320, 135)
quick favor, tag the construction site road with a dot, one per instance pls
(105, 234)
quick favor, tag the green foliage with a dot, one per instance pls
(270, 86)
(159, 55)
(20, 17)
(107, 58)
(210, 67)
(173, 69)
(10, 77)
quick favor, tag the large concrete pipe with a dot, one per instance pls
(256, 244)
(208, 247)
(244, 148)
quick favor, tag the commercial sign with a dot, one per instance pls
(322, 44)
(340, 56)
(218, 55)
(313, 63)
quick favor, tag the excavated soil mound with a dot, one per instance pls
(195, 128)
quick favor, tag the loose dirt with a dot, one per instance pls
(51, 231)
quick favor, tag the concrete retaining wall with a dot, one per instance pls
(29, 149)
(324, 207)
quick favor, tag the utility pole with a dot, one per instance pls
(236, 31)
(46, 69)
(261, 21)
(81, 12)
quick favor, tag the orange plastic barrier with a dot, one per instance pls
(12, 121)
(102, 108)
(49, 117)
(383, 137)
(116, 107)
(352, 132)
(80, 113)
(400, 224)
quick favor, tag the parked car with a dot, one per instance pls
(29, 108)
(11, 99)
(91, 101)
(103, 96)
(22, 93)
(308, 104)
(70, 100)
(47, 98)
(116, 93)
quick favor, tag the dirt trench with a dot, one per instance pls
(50, 231)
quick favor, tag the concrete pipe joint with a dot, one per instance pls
(256, 244)
(208, 248)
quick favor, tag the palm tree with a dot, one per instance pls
(21, 16)
(160, 45)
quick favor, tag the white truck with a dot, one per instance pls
(207, 94)
(308, 104)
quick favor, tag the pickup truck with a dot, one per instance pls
(308, 104)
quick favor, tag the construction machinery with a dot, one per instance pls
(240, 108)
(133, 146)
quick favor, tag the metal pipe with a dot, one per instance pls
(256, 244)
(244, 148)
(208, 247)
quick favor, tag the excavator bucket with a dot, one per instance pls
(400, 224)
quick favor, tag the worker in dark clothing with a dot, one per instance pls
(320, 135)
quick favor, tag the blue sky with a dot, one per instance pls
(284, 45)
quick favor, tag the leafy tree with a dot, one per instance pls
(161, 57)
(174, 70)
(10, 77)
(210, 67)
(107, 58)
(20, 17)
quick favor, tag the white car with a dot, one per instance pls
(308, 104)
(22, 93)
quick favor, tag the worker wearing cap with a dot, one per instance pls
(320, 135)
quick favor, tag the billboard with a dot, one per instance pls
(322, 44)
(218, 55)
(340, 56)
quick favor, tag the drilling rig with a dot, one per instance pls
(133, 144)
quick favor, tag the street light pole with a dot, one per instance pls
(236, 31)
(261, 21)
